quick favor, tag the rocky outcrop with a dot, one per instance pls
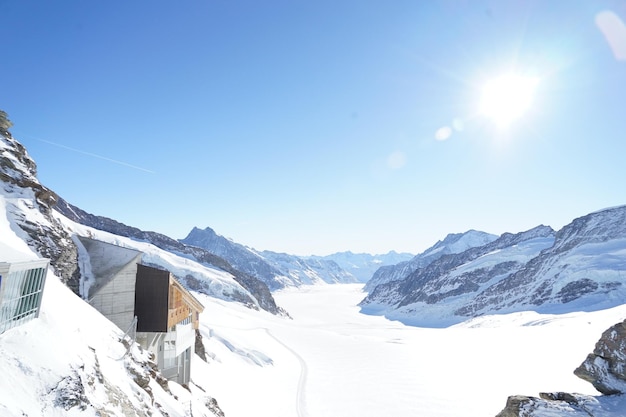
(605, 368)
(31, 211)
(553, 404)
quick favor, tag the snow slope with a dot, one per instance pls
(70, 361)
(330, 360)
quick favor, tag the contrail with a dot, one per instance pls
(115, 161)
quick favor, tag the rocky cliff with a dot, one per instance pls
(23, 192)
(605, 368)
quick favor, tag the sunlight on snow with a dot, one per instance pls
(331, 360)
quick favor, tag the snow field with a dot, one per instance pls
(330, 360)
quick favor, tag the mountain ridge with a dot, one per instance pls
(452, 243)
(581, 266)
(279, 270)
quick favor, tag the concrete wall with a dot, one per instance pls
(114, 270)
(116, 299)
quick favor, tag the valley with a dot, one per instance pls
(330, 359)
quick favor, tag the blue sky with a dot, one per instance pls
(310, 127)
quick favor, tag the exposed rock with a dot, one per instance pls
(605, 368)
(18, 175)
(551, 404)
(213, 406)
(70, 393)
(199, 346)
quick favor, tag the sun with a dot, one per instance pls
(506, 98)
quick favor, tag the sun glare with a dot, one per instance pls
(506, 98)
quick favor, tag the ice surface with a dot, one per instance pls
(332, 360)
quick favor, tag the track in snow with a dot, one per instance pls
(300, 396)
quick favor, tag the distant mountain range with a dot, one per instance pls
(453, 243)
(278, 270)
(580, 267)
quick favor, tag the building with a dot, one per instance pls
(167, 317)
(122, 289)
(21, 291)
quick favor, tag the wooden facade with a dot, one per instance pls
(183, 306)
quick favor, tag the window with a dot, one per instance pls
(20, 296)
(185, 321)
(169, 354)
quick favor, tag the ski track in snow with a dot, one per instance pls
(304, 370)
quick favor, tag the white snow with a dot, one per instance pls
(332, 360)
(12, 248)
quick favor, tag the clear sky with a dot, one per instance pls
(312, 127)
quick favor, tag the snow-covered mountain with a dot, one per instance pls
(297, 270)
(71, 360)
(582, 267)
(453, 243)
(277, 270)
(256, 293)
(363, 265)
